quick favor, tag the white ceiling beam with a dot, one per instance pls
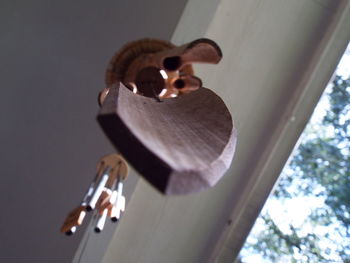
(278, 57)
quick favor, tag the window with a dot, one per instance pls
(307, 217)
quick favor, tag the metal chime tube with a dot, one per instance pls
(90, 191)
(71, 231)
(117, 204)
(98, 190)
(104, 195)
(113, 211)
(110, 189)
(101, 221)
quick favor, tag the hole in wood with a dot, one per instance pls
(172, 63)
(179, 84)
(149, 82)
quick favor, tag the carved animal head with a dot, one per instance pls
(157, 68)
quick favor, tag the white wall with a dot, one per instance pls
(278, 56)
(53, 57)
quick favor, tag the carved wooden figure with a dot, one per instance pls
(178, 135)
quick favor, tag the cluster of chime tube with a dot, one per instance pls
(104, 196)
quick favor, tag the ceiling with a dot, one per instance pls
(53, 60)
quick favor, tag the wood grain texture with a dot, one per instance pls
(180, 145)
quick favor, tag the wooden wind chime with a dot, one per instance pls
(177, 134)
(104, 196)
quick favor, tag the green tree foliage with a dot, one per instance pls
(320, 167)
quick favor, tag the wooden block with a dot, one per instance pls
(180, 145)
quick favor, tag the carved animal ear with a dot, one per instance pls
(202, 50)
(199, 51)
